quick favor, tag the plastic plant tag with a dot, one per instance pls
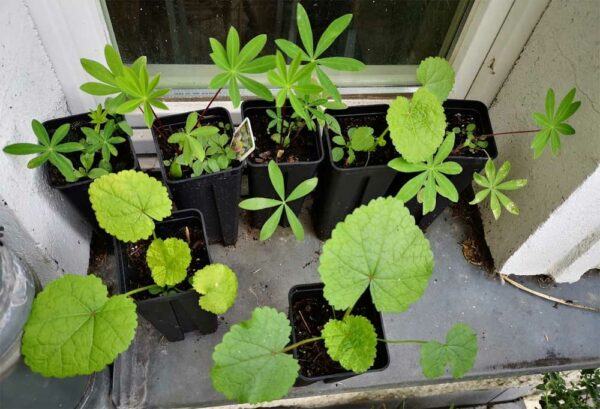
(242, 142)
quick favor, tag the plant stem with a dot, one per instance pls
(348, 311)
(154, 235)
(139, 290)
(385, 131)
(208, 106)
(300, 343)
(507, 133)
(157, 125)
(402, 341)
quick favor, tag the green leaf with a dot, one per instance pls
(445, 187)
(256, 88)
(74, 328)
(258, 203)
(276, 178)
(403, 166)
(328, 85)
(352, 342)
(418, 126)
(378, 247)
(127, 204)
(168, 261)
(291, 49)
(362, 139)
(23, 149)
(218, 285)
(437, 75)
(331, 33)
(337, 154)
(304, 29)
(295, 224)
(251, 50)
(233, 46)
(40, 132)
(342, 63)
(459, 353)
(271, 224)
(249, 365)
(302, 189)
(412, 187)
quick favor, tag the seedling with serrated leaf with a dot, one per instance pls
(236, 64)
(360, 139)
(377, 248)
(49, 149)
(312, 55)
(260, 203)
(493, 183)
(431, 179)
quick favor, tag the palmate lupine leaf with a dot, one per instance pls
(260, 203)
(352, 342)
(553, 123)
(103, 140)
(218, 285)
(236, 64)
(431, 180)
(312, 54)
(49, 149)
(377, 247)
(192, 140)
(493, 183)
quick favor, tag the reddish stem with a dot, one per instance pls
(507, 133)
(157, 124)
(208, 106)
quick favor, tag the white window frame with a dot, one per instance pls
(72, 29)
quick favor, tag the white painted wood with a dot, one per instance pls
(70, 30)
(512, 37)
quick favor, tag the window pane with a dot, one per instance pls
(383, 32)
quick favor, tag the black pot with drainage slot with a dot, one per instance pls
(311, 295)
(216, 195)
(174, 314)
(77, 192)
(343, 188)
(456, 110)
(293, 173)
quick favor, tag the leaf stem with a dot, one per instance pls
(348, 311)
(506, 133)
(300, 343)
(402, 341)
(385, 131)
(156, 124)
(139, 290)
(208, 106)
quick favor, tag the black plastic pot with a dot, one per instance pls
(172, 315)
(315, 291)
(341, 190)
(470, 164)
(293, 173)
(216, 195)
(77, 192)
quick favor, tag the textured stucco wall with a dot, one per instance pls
(563, 52)
(39, 225)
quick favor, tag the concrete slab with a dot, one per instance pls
(518, 334)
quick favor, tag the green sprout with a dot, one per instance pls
(360, 139)
(260, 203)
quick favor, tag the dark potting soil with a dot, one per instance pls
(309, 316)
(381, 155)
(171, 150)
(302, 148)
(139, 272)
(461, 120)
(119, 162)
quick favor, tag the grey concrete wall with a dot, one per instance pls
(563, 52)
(39, 225)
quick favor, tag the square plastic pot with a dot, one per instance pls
(293, 173)
(470, 164)
(341, 190)
(172, 315)
(76, 193)
(215, 195)
(382, 358)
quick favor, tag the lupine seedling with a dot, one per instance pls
(260, 203)
(493, 183)
(236, 64)
(48, 149)
(431, 179)
(360, 139)
(378, 248)
(104, 142)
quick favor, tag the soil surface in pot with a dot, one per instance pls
(302, 148)
(139, 272)
(119, 162)
(170, 150)
(309, 316)
(381, 156)
(461, 120)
